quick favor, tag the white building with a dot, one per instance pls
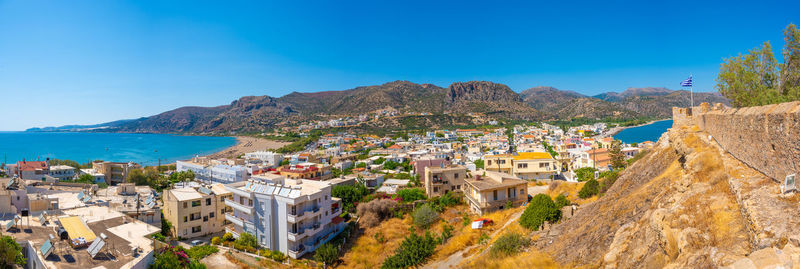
(269, 157)
(294, 216)
(62, 172)
(220, 173)
(98, 177)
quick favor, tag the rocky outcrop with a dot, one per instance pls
(481, 91)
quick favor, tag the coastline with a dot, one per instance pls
(245, 144)
(614, 131)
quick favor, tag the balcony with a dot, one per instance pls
(235, 220)
(296, 252)
(238, 191)
(240, 207)
(297, 235)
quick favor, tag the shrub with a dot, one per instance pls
(12, 253)
(412, 251)
(159, 237)
(561, 201)
(540, 209)
(215, 240)
(424, 216)
(375, 211)
(327, 254)
(509, 244)
(200, 252)
(410, 195)
(247, 240)
(447, 232)
(591, 188)
(608, 180)
(349, 194)
(227, 237)
(465, 220)
(584, 174)
(509, 204)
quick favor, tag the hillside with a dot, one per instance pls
(488, 99)
(687, 204)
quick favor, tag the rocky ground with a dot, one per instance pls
(688, 204)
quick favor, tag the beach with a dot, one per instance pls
(245, 144)
(613, 131)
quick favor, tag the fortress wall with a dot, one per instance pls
(765, 137)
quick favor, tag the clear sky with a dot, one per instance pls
(84, 62)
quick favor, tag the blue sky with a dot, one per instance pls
(83, 62)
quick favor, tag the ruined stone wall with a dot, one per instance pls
(766, 138)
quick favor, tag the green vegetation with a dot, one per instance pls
(591, 188)
(509, 244)
(549, 149)
(414, 250)
(410, 195)
(439, 203)
(756, 78)
(71, 163)
(247, 240)
(609, 178)
(350, 195)
(200, 252)
(638, 156)
(424, 216)
(300, 143)
(584, 174)
(478, 164)
(562, 201)
(617, 158)
(327, 254)
(11, 253)
(175, 257)
(540, 209)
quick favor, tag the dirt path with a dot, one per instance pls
(218, 261)
(457, 258)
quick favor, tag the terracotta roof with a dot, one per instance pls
(31, 166)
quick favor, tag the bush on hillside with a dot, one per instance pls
(425, 216)
(540, 209)
(200, 252)
(584, 174)
(414, 250)
(373, 212)
(561, 201)
(591, 188)
(509, 244)
(410, 195)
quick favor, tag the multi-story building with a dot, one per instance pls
(442, 179)
(208, 171)
(115, 172)
(312, 171)
(525, 165)
(196, 211)
(294, 216)
(268, 157)
(32, 169)
(62, 172)
(488, 191)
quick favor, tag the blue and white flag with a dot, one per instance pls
(687, 82)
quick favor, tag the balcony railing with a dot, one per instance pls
(240, 207)
(235, 220)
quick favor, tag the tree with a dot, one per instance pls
(478, 164)
(617, 158)
(247, 239)
(756, 78)
(425, 216)
(410, 195)
(540, 209)
(327, 254)
(412, 251)
(591, 188)
(11, 253)
(86, 178)
(561, 201)
(584, 174)
(350, 194)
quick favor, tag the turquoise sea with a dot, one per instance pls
(145, 149)
(649, 132)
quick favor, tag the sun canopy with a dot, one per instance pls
(77, 229)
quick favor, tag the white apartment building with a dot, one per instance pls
(220, 173)
(62, 172)
(294, 216)
(269, 157)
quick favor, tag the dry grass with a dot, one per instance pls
(571, 188)
(367, 252)
(465, 236)
(528, 259)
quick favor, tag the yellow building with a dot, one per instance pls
(525, 165)
(489, 191)
(196, 212)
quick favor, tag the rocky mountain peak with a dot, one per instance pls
(481, 91)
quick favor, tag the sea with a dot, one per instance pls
(649, 132)
(145, 149)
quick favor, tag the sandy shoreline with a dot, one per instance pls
(245, 144)
(614, 131)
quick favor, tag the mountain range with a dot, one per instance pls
(482, 99)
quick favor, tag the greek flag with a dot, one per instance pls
(687, 82)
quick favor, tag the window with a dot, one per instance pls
(196, 229)
(196, 203)
(455, 175)
(521, 191)
(208, 201)
(194, 216)
(522, 165)
(184, 204)
(495, 195)
(185, 218)
(211, 215)
(205, 219)
(488, 162)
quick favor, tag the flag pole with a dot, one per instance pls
(691, 90)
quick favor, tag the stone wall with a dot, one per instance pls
(766, 138)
